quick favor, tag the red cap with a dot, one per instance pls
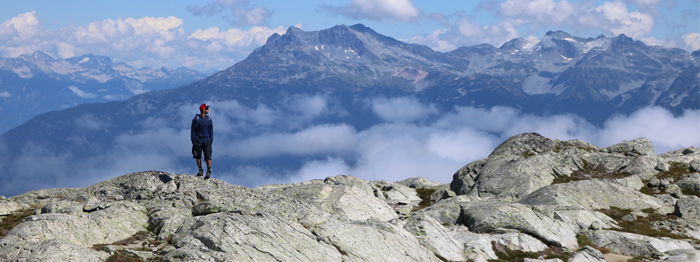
(203, 106)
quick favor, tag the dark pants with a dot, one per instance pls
(197, 151)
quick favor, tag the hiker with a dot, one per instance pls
(202, 136)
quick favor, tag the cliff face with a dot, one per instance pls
(533, 196)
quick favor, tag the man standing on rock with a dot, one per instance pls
(202, 136)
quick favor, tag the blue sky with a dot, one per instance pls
(213, 35)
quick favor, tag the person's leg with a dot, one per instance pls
(206, 148)
(197, 155)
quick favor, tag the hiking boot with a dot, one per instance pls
(208, 174)
(200, 173)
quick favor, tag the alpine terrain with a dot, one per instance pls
(532, 199)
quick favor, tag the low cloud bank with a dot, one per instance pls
(251, 144)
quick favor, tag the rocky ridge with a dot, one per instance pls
(533, 197)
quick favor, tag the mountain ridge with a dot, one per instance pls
(534, 78)
(38, 83)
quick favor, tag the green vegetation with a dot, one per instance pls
(528, 154)
(583, 240)
(14, 219)
(144, 238)
(641, 226)
(120, 256)
(505, 254)
(424, 193)
(589, 172)
(675, 171)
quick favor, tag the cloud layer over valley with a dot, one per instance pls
(306, 137)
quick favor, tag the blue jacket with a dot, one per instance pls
(202, 130)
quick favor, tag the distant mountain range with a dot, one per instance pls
(34, 84)
(594, 78)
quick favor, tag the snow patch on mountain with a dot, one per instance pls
(603, 43)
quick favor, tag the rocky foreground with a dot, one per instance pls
(532, 198)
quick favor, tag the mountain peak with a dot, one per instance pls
(558, 34)
(36, 56)
(90, 61)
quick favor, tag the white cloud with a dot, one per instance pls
(404, 109)
(323, 139)
(692, 40)
(23, 25)
(616, 19)
(91, 122)
(377, 10)
(234, 37)
(5, 94)
(610, 18)
(81, 93)
(291, 142)
(146, 41)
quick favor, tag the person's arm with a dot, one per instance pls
(211, 130)
(193, 136)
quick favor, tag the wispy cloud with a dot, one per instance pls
(376, 10)
(81, 93)
(5, 94)
(240, 12)
(292, 142)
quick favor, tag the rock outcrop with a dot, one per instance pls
(533, 199)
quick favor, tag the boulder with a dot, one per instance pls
(351, 197)
(463, 180)
(689, 210)
(432, 235)
(695, 165)
(120, 221)
(690, 183)
(634, 244)
(519, 166)
(372, 241)
(479, 247)
(592, 194)
(493, 216)
(396, 193)
(418, 182)
(446, 211)
(207, 207)
(642, 166)
(639, 146)
(238, 236)
(633, 182)
(68, 207)
(7, 207)
(683, 255)
(75, 230)
(584, 218)
(588, 254)
(679, 156)
(163, 220)
(50, 250)
(442, 192)
(43, 196)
